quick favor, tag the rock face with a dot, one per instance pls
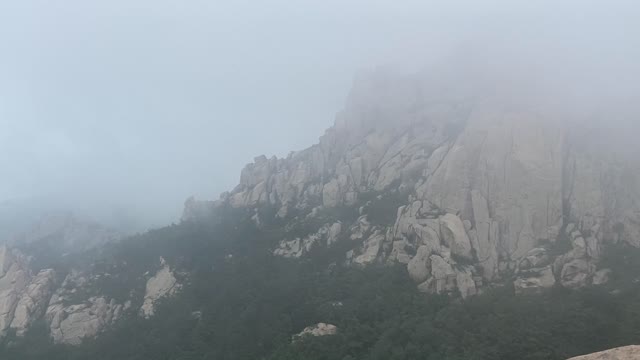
(328, 234)
(72, 318)
(623, 353)
(161, 285)
(71, 314)
(490, 184)
(71, 324)
(320, 329)
(23, 296)
(33, 302)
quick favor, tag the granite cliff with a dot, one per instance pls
(485, 188)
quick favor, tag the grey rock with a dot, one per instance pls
(576, 273)
(623, 353)
(163, 284)
(455, 236)
(420, 266)
(534, 280)
(601, 277)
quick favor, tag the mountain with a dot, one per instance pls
(62, 232)
(466, 190)
(436, 219)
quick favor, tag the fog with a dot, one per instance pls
(125, 108)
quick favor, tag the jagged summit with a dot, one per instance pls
(489, 180)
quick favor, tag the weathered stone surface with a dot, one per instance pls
(486, 180)
(576, 273)
(328, 234)
(161, 285)
(534, 280)
(601, 277)
(442, 273)
(23, 297)
(72, 319)
(420, 266)
(465, 283)
(371, 249)
(455, 236)
(14, 280)
(289, 249)
(71, 324)
(33, 302)
(623, 353)
(320, 329)
(486, 231)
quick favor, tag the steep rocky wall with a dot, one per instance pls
(488, 183)
(74, 308)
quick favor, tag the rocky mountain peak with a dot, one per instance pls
(484, 186)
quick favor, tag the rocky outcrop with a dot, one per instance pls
(73, 318)
(492, 185)
(623, 353)
(23, 296)
(33, 302)
(71, 324)
(163, 284)
(320, 329)
(326, 235)
(68, 308)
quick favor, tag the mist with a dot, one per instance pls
(126, 108)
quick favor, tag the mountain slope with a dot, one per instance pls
(507, 187)
(410, 231)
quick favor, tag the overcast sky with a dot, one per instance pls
(138, 104)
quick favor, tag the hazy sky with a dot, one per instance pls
(138, 104)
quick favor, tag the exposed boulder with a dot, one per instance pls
(534, 280)
(623, 353)
(33, 302)
(23, 297)
(455, 236)
(443, 274)
(601, 277)
(575, 274)
(371, 249)
(328, 235)
(163, 284)
(320, 329)
(71, 324)
(72, 317)
(465, 283)
(14, 281)
(420, 266)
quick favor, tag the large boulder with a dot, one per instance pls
(320, 329)
(420, 266)
(623, 353)
(534, 280)
(33, 302)
(455, 236)
(163, 284)
(23, 296)
(71, 324)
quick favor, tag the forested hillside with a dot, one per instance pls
(241, 302)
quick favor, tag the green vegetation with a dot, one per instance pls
(248, 306)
